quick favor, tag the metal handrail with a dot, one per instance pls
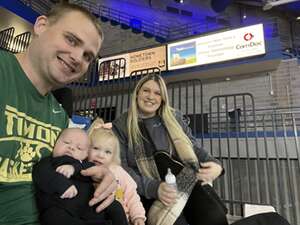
(159, 30)
(40, 6)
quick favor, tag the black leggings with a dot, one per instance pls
(263, 219)
(201, 209)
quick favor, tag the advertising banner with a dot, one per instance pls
(123, 65)
(223, 46)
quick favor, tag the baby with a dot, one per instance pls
(105, 150)
(63, 193)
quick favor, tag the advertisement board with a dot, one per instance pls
(123, 65)
(223, 46)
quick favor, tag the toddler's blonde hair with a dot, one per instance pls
(96, 132)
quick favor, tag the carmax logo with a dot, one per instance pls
(248, 36)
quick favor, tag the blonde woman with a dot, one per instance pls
(153, 137)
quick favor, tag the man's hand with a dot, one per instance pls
(106, 185)
(167, 194)
(71, 192)
(208, 172)
(139, 221)
(66, 170)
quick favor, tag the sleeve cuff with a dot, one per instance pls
(152, 189)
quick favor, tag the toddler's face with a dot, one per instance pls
(74, 143)
(102, 151)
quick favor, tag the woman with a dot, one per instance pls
(148, 133)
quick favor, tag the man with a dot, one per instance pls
(65, 42)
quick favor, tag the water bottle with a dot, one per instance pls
(171, 179)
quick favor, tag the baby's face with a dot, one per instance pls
(72, 142)
(102, 151)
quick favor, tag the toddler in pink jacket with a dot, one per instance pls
(105, 150)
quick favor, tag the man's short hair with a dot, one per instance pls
(60, 9)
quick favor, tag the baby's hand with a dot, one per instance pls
(66, 170)
(71, 192)
(139, 221)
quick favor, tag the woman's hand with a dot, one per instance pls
(208, 172)
(106, 184)
(167, 194)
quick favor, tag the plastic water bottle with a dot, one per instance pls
(171, 179)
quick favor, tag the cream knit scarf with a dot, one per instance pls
(159, 214)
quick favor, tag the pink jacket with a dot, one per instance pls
(132, 204)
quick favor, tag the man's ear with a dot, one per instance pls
(40, 25)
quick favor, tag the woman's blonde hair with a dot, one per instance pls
(97, 132)
(165, 111)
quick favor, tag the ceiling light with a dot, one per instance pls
(272, 3)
